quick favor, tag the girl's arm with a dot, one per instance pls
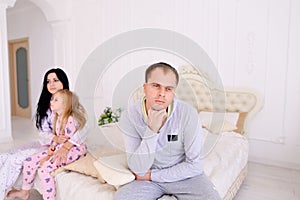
(60, 139)
(60, 155)
(80, 136)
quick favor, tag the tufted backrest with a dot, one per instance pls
(196, 90)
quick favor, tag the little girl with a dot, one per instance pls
(69, 116)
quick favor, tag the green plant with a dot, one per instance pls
(109, 116)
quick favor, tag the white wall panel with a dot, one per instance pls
(227, 41)
(276, 65)
(251, 36)
(292, 114)
(254, 43)
(211, 29)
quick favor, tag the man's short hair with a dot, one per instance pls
(164, 66)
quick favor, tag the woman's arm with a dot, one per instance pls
(46, 130)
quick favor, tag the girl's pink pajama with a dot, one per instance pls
(32, 165)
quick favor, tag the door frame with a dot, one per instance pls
(15, 110)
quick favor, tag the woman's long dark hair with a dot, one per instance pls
(45, 97)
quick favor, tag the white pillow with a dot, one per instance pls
(217, 122)
(114, 169)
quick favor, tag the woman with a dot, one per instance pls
(11, 162)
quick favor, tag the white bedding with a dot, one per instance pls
(222, 165)
(225, 162)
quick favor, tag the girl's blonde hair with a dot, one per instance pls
(72, 108)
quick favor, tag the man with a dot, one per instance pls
(163, 138)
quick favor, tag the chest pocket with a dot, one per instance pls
(171, 150)
(174, 143)
(172, 138)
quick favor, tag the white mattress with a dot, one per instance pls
(222, 165)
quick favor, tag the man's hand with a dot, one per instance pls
(157, 116)
(147, 177)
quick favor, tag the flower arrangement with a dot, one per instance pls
(109, 116)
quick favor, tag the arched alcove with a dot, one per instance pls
(54, 12)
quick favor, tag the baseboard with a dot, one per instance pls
(265, 161)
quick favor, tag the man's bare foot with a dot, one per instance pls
(22, 194)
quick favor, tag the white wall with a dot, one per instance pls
(30, 22)
(253, 43)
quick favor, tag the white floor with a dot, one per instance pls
(262, 183)
(270, 183)
(23, 130)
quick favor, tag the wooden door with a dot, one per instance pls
(19, 78)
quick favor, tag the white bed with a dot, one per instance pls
(225, 164)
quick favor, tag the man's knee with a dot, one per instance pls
(138, 190)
